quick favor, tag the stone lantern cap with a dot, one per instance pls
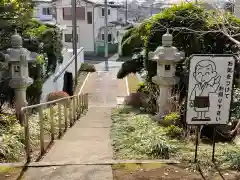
(16, 51)
(166, 53)
(167, 39)
(16, 40)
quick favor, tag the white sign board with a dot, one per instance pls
(209, 89)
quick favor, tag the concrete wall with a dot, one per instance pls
(237, 8)
(50, 85)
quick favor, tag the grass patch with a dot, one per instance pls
(132, 83)
(9, 173)
(133, 166)
(136, 136)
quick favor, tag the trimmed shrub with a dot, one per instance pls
(174, 131)
(56, 95)
(87, 67)
(133, 66)
(133, 39)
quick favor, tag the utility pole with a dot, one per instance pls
(106, 29)
(74, 37)
(126, 12)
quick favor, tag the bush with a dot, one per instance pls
(11, 138)
(87, 67)
(142, 87)
(179, 19)
(173, 117)
(56, 95)
(174, 131)
(133, 41)
(133, 66)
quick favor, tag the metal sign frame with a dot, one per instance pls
(214, 125)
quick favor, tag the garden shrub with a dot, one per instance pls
(87, 67)
(131, 44)
(133, 66)
(56, 95)
(133, 39)
(179, 19)
(173, 117)
(11, 138)
(142, 87)
(174, 131)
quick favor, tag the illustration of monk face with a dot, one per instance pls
(205, 71)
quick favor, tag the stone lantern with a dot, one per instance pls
(166, 57)
(17, 58)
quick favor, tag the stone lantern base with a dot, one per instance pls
(164, 84)
(165, 81)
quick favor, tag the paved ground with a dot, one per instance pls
(89, 139)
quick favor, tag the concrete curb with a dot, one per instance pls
(84, 82)
(126, 81)
(76, 163)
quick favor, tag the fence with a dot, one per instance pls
(55, 82)
(51, 120)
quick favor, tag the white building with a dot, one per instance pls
(237, 8)
(90, 22)
(43, 10)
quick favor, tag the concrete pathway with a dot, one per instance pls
(89, 139)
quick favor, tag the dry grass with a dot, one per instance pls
(136, 136)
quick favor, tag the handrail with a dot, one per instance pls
(67, 65)
(68, 109)
(46, 103)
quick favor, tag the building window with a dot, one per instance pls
(69, 37)
(103, 11)
(67, 13)
(80, 13)
(46, 11)
(109, 37)
(89, 17)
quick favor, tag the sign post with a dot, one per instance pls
(209, 92)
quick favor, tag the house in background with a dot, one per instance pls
(90, 23)
(43, 11)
